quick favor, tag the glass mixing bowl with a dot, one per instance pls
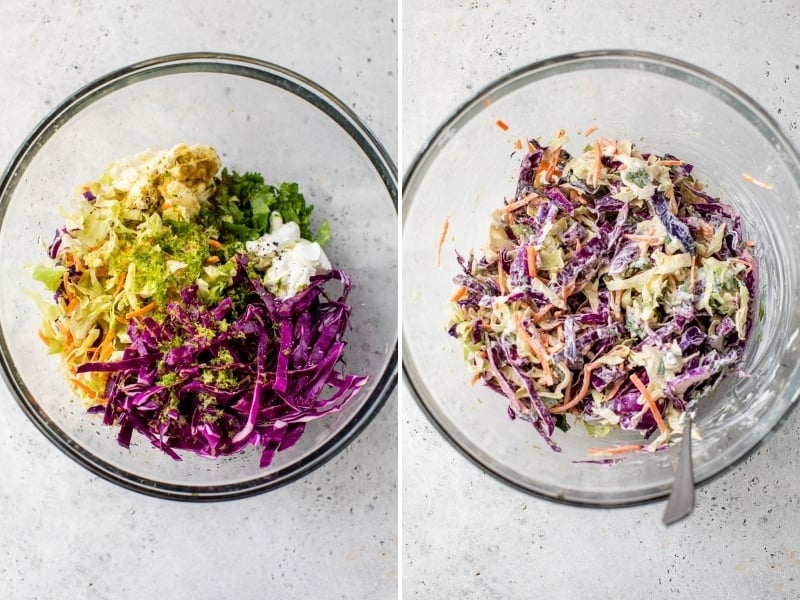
(259, 117)
(469, 166)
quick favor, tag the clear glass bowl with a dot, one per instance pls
(469, 166)
(259, 117)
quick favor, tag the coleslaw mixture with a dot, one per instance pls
(190, 305)
(613, 290)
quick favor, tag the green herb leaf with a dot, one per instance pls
(242, 204)
(638, 177)
(561, 422)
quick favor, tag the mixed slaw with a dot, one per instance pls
(614, 291)
(196, 306)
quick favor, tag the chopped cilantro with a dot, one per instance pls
(638, 177)
(561, 422)
(242, 205)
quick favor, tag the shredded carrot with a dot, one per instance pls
(43, 337)
(566, 291)
(615, 450)
(78, 263)
(750, 243)
(589, 131)
(550, 325)
(501, 276)
(214, 244)
(518, 144)
(747, 265)
(618, 297)
(106, 346)
(587, 378)
(647, 239)
(460, 293)
(651, 403)
(673, 283)
(501, 124)
(141, 312)
(758, 182)
(673, 203)
(109, 335)
(79, 384)
(73, 304)
(120, 283)
(531, 252)
(211, 260)
(517, 204)
(568, 390)
(538, 351)
(65, 279)
(614, 389)
(120, 320)
(669, 163)
(105, 352)
(442, 235)
(598, 162)
(576, 198)
(475, 377)
(548, 165)
(542, 313)
(531, 147)
(542, 168)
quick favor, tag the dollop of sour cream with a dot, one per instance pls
(287, 260)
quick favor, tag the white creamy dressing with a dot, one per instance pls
(288, 261)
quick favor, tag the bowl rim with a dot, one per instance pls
(440, 135)
(229, 64)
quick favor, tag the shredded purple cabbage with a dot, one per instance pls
(214, 379)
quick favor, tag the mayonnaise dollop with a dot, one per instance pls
(288, 261)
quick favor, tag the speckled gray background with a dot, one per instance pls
(67, 534)
(465, 535)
